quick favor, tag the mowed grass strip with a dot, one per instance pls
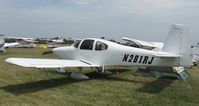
(29, 86)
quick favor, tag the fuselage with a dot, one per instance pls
(103, 52)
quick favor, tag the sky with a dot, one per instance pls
(148, 20)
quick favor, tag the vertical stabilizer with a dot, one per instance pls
(2, 42)
(178, 42)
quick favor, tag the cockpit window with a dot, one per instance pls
(87, 45)
(100, 46)
(77, 44)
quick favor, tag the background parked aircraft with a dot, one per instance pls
(3, 45)
(157, 46)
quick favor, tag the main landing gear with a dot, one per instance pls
(74, 75)
(101, 70)
(80, 76)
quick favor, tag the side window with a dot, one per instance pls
(77, 44)
(100, 46)
(87, 45)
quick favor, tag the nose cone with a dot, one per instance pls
(63, 52)
(58, 49)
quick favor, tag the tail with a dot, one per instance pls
(2, 42)
(178, 42)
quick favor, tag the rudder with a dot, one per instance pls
(178, 42)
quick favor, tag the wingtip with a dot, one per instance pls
(8, 60)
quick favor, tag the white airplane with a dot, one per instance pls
(100, 53)
(3, 45)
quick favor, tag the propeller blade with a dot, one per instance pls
(47, 52)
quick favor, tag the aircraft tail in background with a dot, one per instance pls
(2, 42)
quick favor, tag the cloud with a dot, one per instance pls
(80, 2)
(147, 7)
(95, 17)
(100, 8)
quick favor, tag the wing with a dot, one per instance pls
(48, 63)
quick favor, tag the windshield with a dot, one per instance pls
(77, 44)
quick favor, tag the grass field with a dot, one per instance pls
(27, 86)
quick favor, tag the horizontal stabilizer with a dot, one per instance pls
(48, 63)
(167, 55)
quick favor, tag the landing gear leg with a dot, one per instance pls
(101, 70)
(60, 70)
(187, 84)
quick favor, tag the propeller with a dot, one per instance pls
(47, 52)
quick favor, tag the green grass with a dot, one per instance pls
(28, 86)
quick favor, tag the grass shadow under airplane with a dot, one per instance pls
(156, 86)
(18, 89)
